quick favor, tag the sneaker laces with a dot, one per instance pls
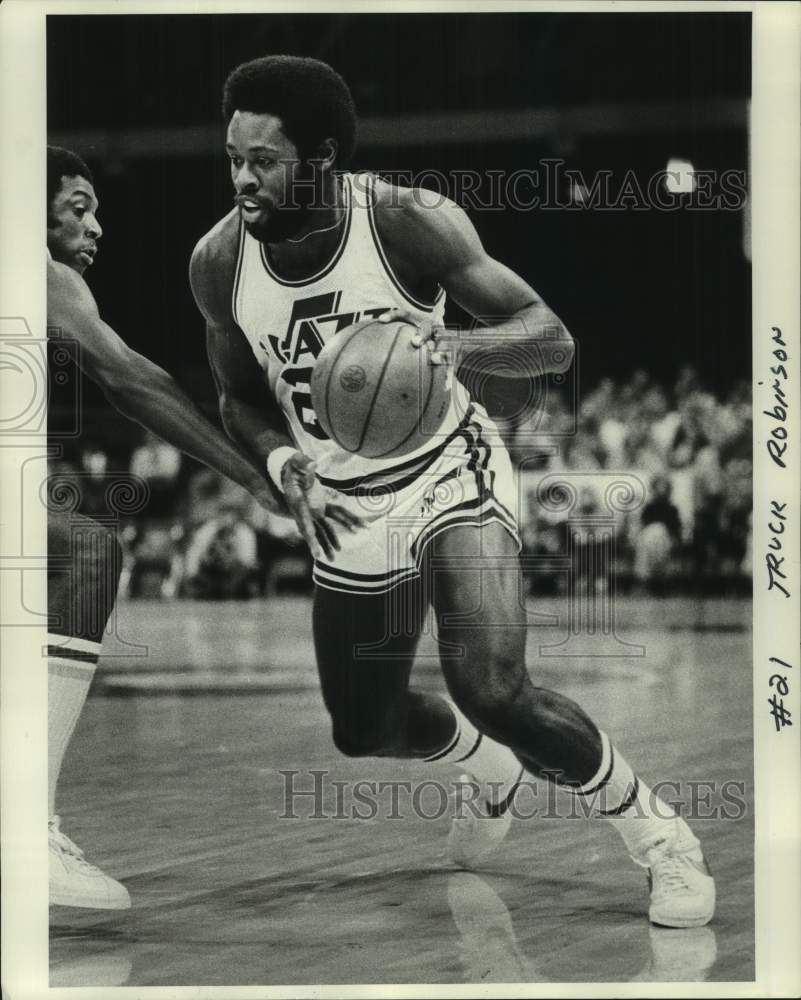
(669, 869)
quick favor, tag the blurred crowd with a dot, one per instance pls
(663, 473)
(657, 494)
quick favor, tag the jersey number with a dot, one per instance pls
(302, 401)
(301, 345)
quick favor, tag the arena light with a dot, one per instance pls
(679, 176)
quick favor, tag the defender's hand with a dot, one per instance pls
(428, 334)
(313, 507)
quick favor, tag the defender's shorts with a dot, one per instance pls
(468, 479)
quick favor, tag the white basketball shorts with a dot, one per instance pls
(467, 480)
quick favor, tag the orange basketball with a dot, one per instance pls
(375, 394)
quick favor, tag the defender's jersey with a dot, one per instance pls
(287, 324)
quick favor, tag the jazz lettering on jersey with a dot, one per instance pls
(313, 321)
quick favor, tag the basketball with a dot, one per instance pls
(377, 395)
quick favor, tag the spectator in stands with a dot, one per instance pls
(159, 464)
(153, 563)
(654, 414)
(690, 457)
(641, 455)
(659, 536)
(221, 559)
(94, 482)
(734, 552)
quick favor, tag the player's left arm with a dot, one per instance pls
(448, 251)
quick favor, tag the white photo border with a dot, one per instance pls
(775, 197)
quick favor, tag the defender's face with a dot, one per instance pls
(72, 226)
(264, 165)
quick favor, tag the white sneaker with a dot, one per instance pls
(74, 882)
(477, 828)
(682, 889)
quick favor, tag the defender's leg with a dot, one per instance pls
(84, 565)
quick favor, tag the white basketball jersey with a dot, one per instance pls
(287, 324)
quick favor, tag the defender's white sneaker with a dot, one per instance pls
(682, 889)
(75, 882)
(476, 829)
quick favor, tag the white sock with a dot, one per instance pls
(492, 765)
(70, 667)
(617, 794)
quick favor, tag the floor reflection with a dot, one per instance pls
(479, 944)
(490, 952)
(102, 968)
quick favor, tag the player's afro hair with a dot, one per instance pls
(63, 163)
(311, 99)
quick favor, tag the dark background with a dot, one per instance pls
(138, 97)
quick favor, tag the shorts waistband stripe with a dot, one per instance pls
(411, 469)
(346, 587)
(361, 577)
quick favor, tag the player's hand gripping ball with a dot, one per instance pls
(378, 391)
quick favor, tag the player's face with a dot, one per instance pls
(265, 167)
(72, 226)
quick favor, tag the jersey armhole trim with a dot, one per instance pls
(417, 303)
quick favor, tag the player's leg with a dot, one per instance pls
(365, 652)
(84, 563)
(370, 606)
(474, 578)
(365, 646)
(475, 584)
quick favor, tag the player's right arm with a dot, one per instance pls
(138, 388)
(249, 411)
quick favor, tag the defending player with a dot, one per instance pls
(83, 556)
(307, 251)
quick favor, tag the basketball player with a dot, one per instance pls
(84, 557)
(306, 251)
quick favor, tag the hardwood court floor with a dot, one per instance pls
(181, 796)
